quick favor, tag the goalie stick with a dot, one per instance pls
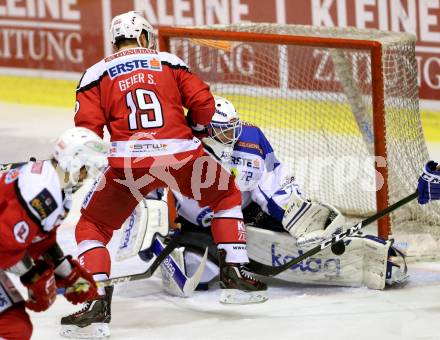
(134, 277)
(186, 285)
(265, 270)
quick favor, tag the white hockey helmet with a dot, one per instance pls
(130, 25)
(225, 126)
(80, 147)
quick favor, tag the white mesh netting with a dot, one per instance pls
(315, 106)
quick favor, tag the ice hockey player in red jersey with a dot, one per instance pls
(34, 199)
(139, 94)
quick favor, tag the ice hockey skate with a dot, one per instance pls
(92, 321)
(237, 284)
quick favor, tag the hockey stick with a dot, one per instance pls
(150, 271)
(262, 269)
(175, 274)
(134, 277)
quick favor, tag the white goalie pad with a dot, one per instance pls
(148, 219)
(310, 223)
(364, 262)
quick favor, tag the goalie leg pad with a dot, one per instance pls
(382, 264)
(397, 270)
(364, 262)
(148, 219)
(374, 260)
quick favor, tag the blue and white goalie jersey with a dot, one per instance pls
(258, 174)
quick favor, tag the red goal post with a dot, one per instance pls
(334, 40)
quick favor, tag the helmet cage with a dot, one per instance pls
(219, 131)
(94, 165)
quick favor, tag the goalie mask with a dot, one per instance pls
(130, 25)
(79, 149)
(225, 126)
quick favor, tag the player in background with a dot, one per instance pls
(139, 94)
(272, 200)
(34, 199)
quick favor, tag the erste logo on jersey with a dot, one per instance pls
(127, 64)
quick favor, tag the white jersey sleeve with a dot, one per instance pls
(191, 211)
(274, 191)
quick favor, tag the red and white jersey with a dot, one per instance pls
(139, 94)
(31, 207)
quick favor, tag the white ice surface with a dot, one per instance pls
(141, 310)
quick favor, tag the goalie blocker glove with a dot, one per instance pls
(429, 183)
(310, 223)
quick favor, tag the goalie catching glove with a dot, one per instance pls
(429, 183)
(311, 223)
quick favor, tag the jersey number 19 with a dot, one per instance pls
(147, 106)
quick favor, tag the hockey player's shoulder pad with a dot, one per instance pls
(253, 134)
(92, 76)
(172, 61)
(249, 140)
(253, 140)
(39, 191)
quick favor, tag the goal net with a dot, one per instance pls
(339, 106)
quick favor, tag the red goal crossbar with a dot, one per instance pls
(375, 48)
